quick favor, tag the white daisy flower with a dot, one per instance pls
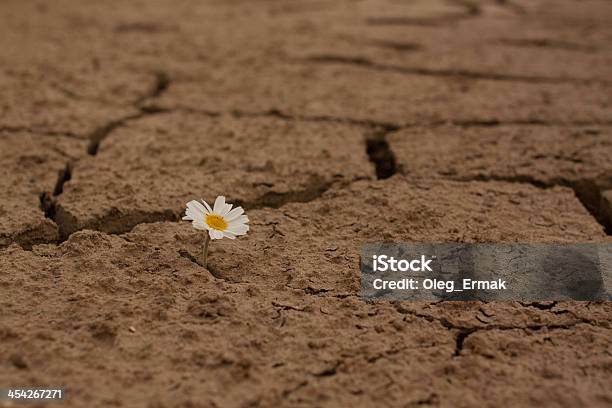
(220, 221)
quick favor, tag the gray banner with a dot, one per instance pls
(523, 272)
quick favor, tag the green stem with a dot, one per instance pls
(205, 249)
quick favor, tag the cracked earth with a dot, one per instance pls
(332, 124)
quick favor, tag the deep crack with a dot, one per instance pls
(47, 204)
(160, 85)
(114, 222)
(590, 194)
(460, 340)
(117, 223)
(380, 154)
(540, 305)
(377, 149)
(48, 200)
(63, 176)
(99, 134)
(314, 189)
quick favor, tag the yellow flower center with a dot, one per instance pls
(216, 222)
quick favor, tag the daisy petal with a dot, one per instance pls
(215, 234)
(243, 219)
(194, 210)
(199, 225)
(235, 213)
(196, 207)
(193, 215)
(219, 205)
(239, 229)
(206, 205)
(226, 210)
(229, 235)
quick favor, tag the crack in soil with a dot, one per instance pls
(380, 154)
(376, 124)
(48, 202)
(284, 306)
(40, 132)
(377, 149)
(315, 188)
(328, 371)
(471, 10)
(276, 113)
(510, 5)
(460, 339)
(160, 85)
(210, 268)
(540, 305)
(471, 7)
(287, 393)
(397, 45)
(99, 134)
(546, 43)
(446, 73)
(461, 328)
(186, 254)
(116, 222)
(463, 332)
(525, 122)
(63, 176)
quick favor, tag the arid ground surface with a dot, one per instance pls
(334, 123)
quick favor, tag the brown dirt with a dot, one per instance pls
(333, 124)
